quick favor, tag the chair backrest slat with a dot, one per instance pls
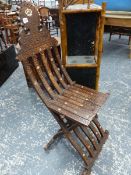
(64, 72)
(34, 80)
(50, 74)
(55, 69)
(42, 77)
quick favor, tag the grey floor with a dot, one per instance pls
(26, 125)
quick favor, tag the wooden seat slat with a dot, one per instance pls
(97, 99)
(78, 113)
(77, 109)
(90, 90)
(78, 99)
(67, 99)
(69, 114)
(94, 101)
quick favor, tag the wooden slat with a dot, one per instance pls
(91, 138)
(79, 110)
(55, 69)
(35, 83)
(78, 148)
(86, 100)
(69, 101)
(74, 110)
(58, 59)
(95, 132)
(84, 141)
(100, 97)
(49, 73)
(99, 127)
(95, 99)
(68, 113)
(44, 81)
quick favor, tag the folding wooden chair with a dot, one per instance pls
(73, 106)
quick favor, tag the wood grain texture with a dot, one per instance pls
(73, 106)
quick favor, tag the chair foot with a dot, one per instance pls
(53, 139)
(56, 136)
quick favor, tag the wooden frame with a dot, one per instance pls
(98, 40)
(73, 106)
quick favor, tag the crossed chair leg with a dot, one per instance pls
(87, 140)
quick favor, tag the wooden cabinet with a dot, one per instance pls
(8, 63)
(82, 41)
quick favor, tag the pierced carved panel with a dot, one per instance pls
(33, 37)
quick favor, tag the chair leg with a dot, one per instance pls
(56, 136)
(110, 36)
(53, 139)
(57, 31)
(87, 140)
(130, 47)
(129, 40)
(120, 36)
(1, 46)
(110, 33)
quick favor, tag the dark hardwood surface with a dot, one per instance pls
(73, 106)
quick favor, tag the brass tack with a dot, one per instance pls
(65, 103)
(59, 109)
(38, 67)
(84, 155)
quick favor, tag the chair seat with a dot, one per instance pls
(78, 103)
